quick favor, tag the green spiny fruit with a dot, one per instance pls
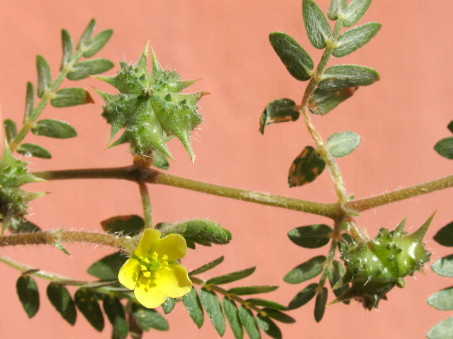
(13, 200)
(374, 267)
(150, 107)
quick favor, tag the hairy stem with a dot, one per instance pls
(146, 203)
(52, 237)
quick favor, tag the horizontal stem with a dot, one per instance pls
(402, 194)
(50, 238)
(327, 210)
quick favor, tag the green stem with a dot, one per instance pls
(49, 93)
(322, 148)
(146, 203)
(52, 237)
(402, 194)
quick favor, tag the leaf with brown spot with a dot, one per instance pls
(306, 167)
(323, 101)
(280, 110)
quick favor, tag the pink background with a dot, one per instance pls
(226, 44)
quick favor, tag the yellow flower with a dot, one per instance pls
(153, 271)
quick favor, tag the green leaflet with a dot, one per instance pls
(312, 236)
(108, 267)
(445, 147)
(303, 296)
(168, 305)
(247, 290)
(305, 271)
(444, 236)
(127, 225)
(192, 304)
(23, 226)
(296, 60)
(10, 129)
(150, 107)
(115, 314)
(442, 300)
(211, 304)
(148, 318)
(28, 293)
(306, 167)
(320, 304)
(344, 76)
(207, 266)
(323, 101)
(62, 301)
(249, 323)
(97, 43)
(67, 44)
(279, 316)
(33, 150)
(343, 143)
(87, 303)
(234, 276)
(443, 266)
(318, 29)
(450, 126)
(280, 110)
(355, 38)
(53, 128)
(442, 330)
(44, 76)
(266, 303)
(231, 312)
(333, 9)
(268, 326)
(355, 11)
(71, 97)
(29, 101)
(84, 69)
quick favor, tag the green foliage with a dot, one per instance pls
(345, 76)
(334, 7)
(320, 304)
(10, 129)
(23, 226)
(84, 69)
(318, 29)
(211, 304)
(306, 167)
(207, 267)
(268, 326)
(115, 314)
(355, 38)
(442, 330)
(168, 305)
(62, 301)
(296, 60)
(147, 319)
(44, 76)
(305, 271)
(33, 150)
(150, 108)
(343, 143)
(88, 305)
(53, 128)
(108, 267)
(231, 312)
(443, 266)
(442, 300)
(445, 147)
(312, 236)
(303, 297)
(192, 304)
(280, 110)
(28, 293)
(230, 277)
(247, 290)
(197, 231)
(71, 97)
(354, 12)
(127, 225)
(249, 323)
(444, 236)
(323, 101)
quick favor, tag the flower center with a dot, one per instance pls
(151, 263)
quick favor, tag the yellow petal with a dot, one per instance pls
(129, 273)
(173, 245)
(171, 281)
(147, 242)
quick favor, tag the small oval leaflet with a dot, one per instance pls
(355, 11)
(280, 110)
(53, 128)
(344, 76)
(312, 236)
(303, 296)
(87, 303)
(305, 271)
(231, 312)
(323, 101)
(306, 167)
(33, 150)
(442, 330)
(445, 147)
(442, 300)
(71, 97)
(296, 60)
(443, 266)
(445, 235)
(83, 69)
(343, 143)
(316, 25)
(28, 293)
(355, 38)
